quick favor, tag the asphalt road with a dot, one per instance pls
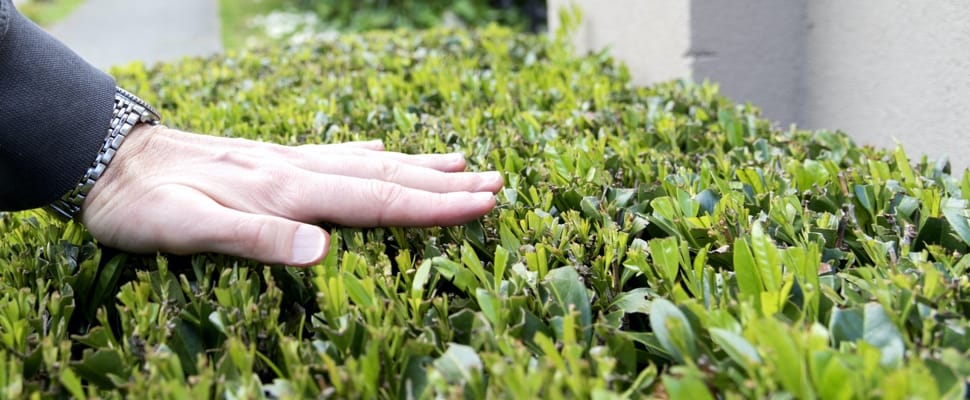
(112, 32)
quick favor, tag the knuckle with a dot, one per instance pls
(353, 151)
(255, 237)
(284, 152)
(386, 193)
(385, 196)
(276, 177)
(236, 158)
(387, 169)
(280, 189)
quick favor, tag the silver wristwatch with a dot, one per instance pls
(129, 111)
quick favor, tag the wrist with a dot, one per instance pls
(129, 113)
(129, 163)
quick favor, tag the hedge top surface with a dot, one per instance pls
(655, 241)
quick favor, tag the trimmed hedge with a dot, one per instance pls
(657, 241)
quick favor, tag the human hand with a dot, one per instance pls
(182, 193)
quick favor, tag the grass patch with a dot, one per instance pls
(48, 12)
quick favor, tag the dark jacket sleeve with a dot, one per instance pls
(54, 113)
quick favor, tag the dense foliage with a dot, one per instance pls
(650, 241)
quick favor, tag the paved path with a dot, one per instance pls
(112, 32)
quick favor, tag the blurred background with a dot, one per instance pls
(175, 28)
(886, 73)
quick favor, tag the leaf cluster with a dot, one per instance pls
(650, 241)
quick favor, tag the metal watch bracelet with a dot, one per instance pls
(129, 111)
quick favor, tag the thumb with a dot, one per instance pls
(265, 238)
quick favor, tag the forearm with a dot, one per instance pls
(54, 113)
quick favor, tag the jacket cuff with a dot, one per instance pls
(55, 109)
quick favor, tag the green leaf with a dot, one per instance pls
(687, 387)
(780, 350)
(415, 378)
(421, 277)
(955, 211)
(864, 194)
(948, 383)
(96, 338)
(880, 331)
(591, 207)
(736, 346)
(634, 301)
(569, 295)
(665, 253)
(490, 305)
(72, 383)
(358, 294)
(622, 197)
(472, 263)
(107, 280)
(707, 200)
(99, 365)
(460, 276)
(673, 330)
(847, 325)
(836, 375)
(500, 263)
(475, 234)
(459, 364)
(746, 271)
(767, 258)
(732, 127)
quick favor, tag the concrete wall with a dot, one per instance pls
(899, 69)
(753, 49)
(878, 70)
(651, 36)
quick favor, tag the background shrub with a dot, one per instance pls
(257, 23)
(391, 14)
(657, 241)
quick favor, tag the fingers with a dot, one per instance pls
(405, 174)
(180, 220)
(310, 197)
(240, 143)
(375, 145)
(452, 162)
(370, 149)
(232, 225)
(368, 202)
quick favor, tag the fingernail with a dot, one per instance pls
(482, 196)
(492, 177)
(456, 157)
(490, 181)
(308, 244)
